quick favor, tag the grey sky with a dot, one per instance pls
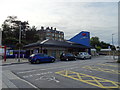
(99, 18)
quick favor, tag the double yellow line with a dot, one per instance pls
(102, 69)
(95, 81)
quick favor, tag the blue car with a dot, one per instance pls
(37, 58)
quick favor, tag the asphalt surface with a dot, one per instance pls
(99, 72)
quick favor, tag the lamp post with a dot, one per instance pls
(19, 23)
(19, 39)
(113, 46)
(112, 39)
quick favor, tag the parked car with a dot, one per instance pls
(67, 56)
(83, 55)
(37, 58)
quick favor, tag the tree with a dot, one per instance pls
(98, 48)
(11, 27)
(31, 35)
(104, 45)
(94, 41)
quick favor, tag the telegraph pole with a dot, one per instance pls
(19, 23)
(113, 46)
(19, 40)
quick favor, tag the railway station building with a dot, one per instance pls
(79, 43)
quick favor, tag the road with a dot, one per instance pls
(99, 72)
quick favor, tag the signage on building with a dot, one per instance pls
(82, 38)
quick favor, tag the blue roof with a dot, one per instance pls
(82, 38)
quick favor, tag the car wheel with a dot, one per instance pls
(84, 58)
(37, 61)
(31, 62)
(53, 60)
(75, 59)
(66, 59)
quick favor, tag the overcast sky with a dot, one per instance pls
(71, 17)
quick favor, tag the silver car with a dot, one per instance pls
(83, 55)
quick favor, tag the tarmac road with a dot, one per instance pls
(99, 72)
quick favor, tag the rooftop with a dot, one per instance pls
(56, 43)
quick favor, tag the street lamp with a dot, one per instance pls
(19, 23)
(113, 46)
(112, 39)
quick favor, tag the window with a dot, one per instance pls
(48, 30)
(45, 55)
(41, 55)
(52, 34)
(48, 33)
(47, 37)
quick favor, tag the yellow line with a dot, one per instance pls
(98, 82)
(95, 81)
(102, 69)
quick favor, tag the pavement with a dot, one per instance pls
(14, 61)
(25, 60)
(7, 76)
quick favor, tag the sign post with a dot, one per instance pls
(4, 47)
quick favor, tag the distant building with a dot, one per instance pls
(51, 34)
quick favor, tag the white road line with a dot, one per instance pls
(26, 71)
(29, 83)
(11, 75)
(52, 78)
(45, 69)
(38, 74)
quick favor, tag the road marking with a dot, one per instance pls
(26, 71)
(12, 76)
(95, 81)
(50, 78)
(108, 65)
(30, 84)
(45, 69)
(38, 74)
(102, 69)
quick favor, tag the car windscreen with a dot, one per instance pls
(68, 55)
(45, 55)
(42, 55)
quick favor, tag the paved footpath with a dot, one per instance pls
(7, 75)
(14, 61)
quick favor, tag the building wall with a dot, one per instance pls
(50, 33)
(56, 52)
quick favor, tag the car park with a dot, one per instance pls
(67, 57)
(37, 58)
(83, 55)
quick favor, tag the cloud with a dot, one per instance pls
(99, 18)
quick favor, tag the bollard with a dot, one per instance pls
(23, 56)
(16, 56)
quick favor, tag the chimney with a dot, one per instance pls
(55, 29)
(51, 28)
(42, 28)
(47, 28)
